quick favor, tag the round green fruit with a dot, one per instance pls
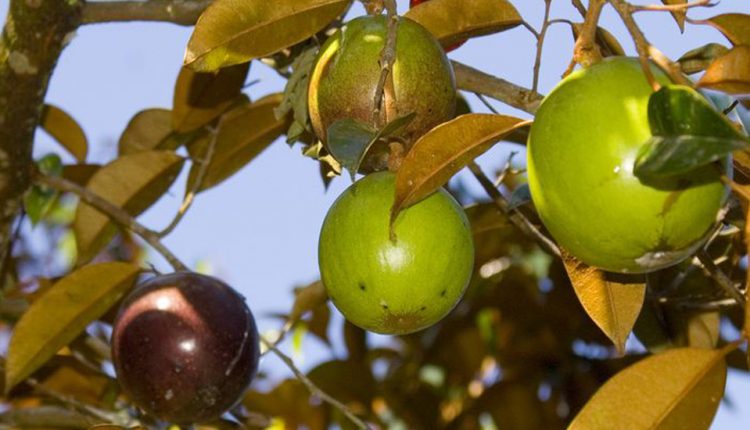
(581, 151)
(346, 74)
(394, 286)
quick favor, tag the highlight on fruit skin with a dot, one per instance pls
(401, 286)
(581, 151)
(185, 347)
(344, 79)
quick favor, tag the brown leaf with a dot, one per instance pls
(730, 72)
(698, 60)
(446, 149)
(134, 182)
(453, 21)
(62, 313)
(306, 299)
(80, 173)
(199, 98)
(145, 131)
(237, 31)
(679, 15)
(65, 130)
(608, 43)
(735, 26)
(678, 389)
(613, 305)
(242, 134)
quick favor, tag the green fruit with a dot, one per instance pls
(581, 152)
(347, 71)
(401, 286)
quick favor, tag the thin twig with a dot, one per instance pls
(176, 11)
(531, 29)
(579, 7)
(642, 45)
(513, 215)
(540, 45)
(722, 279)
(472, 80)
(672, 7)
(387, 58)
(586, 51)
(116, 213)
(190, 196)
(314, 389)
(92, 411)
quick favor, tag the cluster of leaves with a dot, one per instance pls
(520, 351)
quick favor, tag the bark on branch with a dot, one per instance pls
(34, 35)
(182, 12)
(472, 80)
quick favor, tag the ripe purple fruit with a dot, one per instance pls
(185, 347)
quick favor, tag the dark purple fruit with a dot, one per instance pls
(185, 347)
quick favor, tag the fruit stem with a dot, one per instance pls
(625, 10)
(586, 51)
(387, 58)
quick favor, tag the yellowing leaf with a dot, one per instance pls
(201, 97)
(243, 133)
(679, 15)
(65, 130)
(236, 31)
(145, 131)
(735, 26)
(730, 72)
(614, 306)
(133, 182)
(62, 313)
(675, 390)
(446, 149)
(80, 173)
(452, 21)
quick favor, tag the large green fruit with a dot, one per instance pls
(346, 74)
(400, 286)
(581, 152)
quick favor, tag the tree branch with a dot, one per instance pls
(624, 9)
(387, 58)
(181, 12)
(117, 215)
(472, 80)
(34, 35)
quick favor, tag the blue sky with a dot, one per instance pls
(259, 230)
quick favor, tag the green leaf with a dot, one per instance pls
(698, 60)
(199, 98)
(295, 94)
(242, 134)
(65, 130)
(147, 130)
(237, 31)
(613, 302)
(444, 150)
(133, 182)
(350, 140)
(730, 72)
(687, 133)
(62, 313)
(735, 26)
(40, 199)
(677, 389)
(453, 21)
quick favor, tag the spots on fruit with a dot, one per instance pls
(443, 293)
(383, 304)
(362, 286)
(405, 322)
(423, 308)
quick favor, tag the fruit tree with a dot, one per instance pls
(536, 217)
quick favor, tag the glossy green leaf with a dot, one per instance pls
(679, 15)
(133, 182)
(237, 31)
(242, 134)
(687, 133)
(453, 21)
(612, 302)
(675, 390)
(62, 313)
(199, 98)
(65, 130)
(735, 26)
(147, 130)
(698, 60)
(350, 140)
(729, 73)
(444, 150)
(39, 199)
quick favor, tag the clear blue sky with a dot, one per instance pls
(259, 229)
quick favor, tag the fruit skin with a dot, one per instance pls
(185, 347)
(394, 287)
(346, 73)
(581, 149)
